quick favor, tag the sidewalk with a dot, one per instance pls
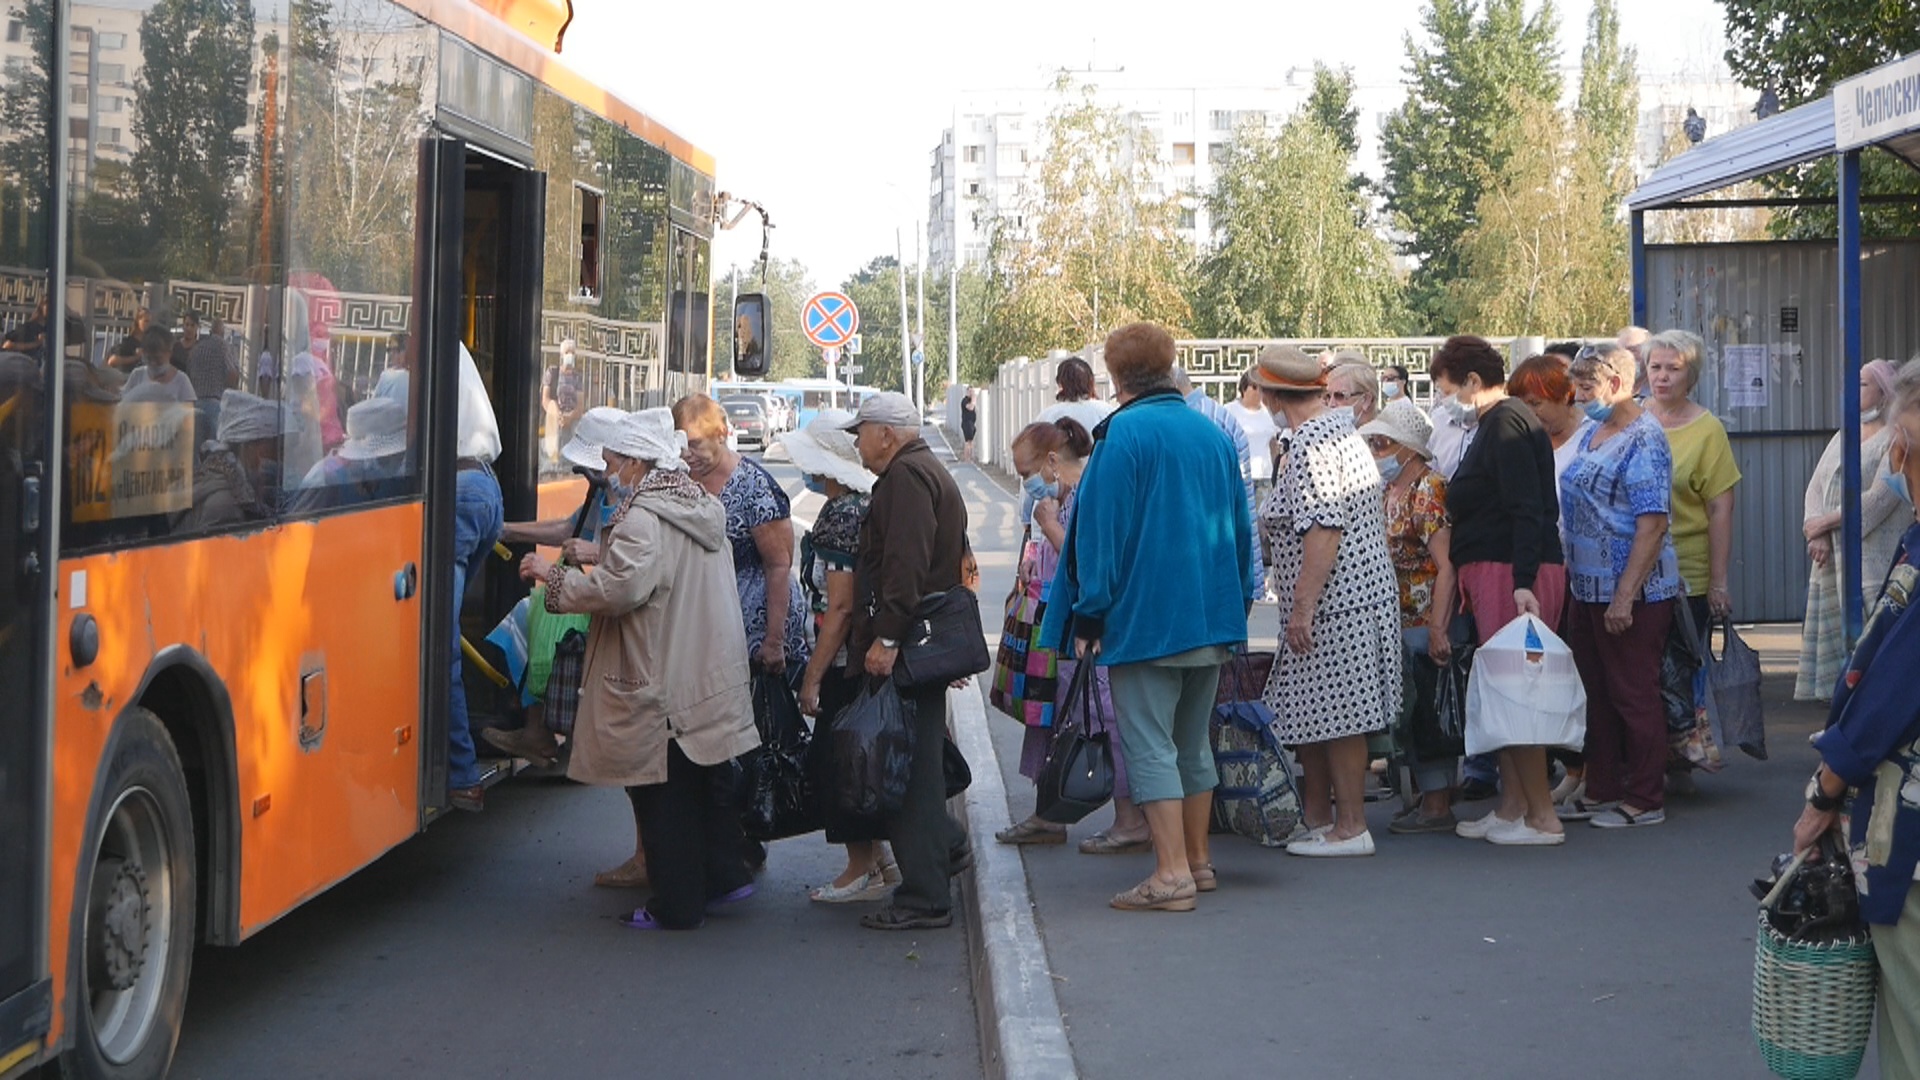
(1619, 954)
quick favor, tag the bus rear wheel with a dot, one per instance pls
(137, 892)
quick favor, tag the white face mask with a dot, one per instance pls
(1389, 390)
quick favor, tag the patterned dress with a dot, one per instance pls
(753, 499)
(1349, 682)
(833, 544)
(1414, 514)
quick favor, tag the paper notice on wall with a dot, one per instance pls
(1746, 376)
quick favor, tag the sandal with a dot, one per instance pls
(1030, 831)
(888, 870)
(631, 874)
(1105, 843)
(868, 886)
(1150, 895)
(1204, 879)
(642, 919)
(1621, 818)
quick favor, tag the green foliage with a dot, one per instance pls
(190, 104)
(1608, 108)
(1331, 106)
(1444, 142)
(1800, 49)
(787, 287)
(1095, 245)
(1294, 258)
(1546, 255)
(23, 140)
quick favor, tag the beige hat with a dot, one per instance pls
(825, 448)
(376, 428)
(891, 408)
(590, 436)
(1403, 425)
(649, 435)
(1286, 367)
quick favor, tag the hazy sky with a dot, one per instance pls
(826, 112)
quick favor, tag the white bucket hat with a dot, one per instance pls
(590, 436)
(248, 417)
(825, 448)
(1403, 423)
(376, 428)
(649, 435)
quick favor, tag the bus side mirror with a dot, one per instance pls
(752, 352)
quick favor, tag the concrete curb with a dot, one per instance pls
(1022, 1036)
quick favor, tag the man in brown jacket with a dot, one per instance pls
(910, 547)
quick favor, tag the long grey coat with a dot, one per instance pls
(666, 651)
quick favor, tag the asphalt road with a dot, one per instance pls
(482, 949)
(1626, 954)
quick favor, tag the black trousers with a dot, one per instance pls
(925, 839)
(690, 829)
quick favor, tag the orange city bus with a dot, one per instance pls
(226, 621)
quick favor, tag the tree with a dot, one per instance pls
(1294, 258)
(1608, 110)
(1799, 49)
(787, 286)
(1544, 255)
(1331, 106)
(23, 149)
(352, 139)
(190, 104)
(1704, 225)
(1093, 246)
(1443, 143)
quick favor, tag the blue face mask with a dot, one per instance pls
(816, 485)
(1597, 411)
(1038, 488)
(1897, 483)
(1390, 468)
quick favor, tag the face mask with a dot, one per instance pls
(1597, 411)
(1389, 390)
(1870, 415)
(816, 485)
(1390, 468)
(1457, 412)
(1038, 488)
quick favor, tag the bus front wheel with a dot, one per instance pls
(137, 918)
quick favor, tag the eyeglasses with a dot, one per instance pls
(1341, 397)
(1378, 443)
(1587, 352)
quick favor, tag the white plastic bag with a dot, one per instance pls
(479, 433)
(1525, 691)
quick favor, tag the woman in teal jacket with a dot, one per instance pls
(1154, 580)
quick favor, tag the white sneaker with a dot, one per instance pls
(1320, 847)
(1477, 828)
(1517, 833)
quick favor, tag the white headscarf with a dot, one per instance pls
(649, 435)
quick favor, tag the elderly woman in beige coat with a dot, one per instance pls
(664, 704)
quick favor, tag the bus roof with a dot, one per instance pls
(523, 33)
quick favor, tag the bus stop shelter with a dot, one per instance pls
(1876, 109)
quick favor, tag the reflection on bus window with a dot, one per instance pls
(368, 466)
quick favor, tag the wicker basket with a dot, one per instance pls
(1812, 1004)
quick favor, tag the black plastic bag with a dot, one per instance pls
(1734, 675)
(1436, 707)
(1450, 703)
(777, 787)
(872, 753)
(1679, 662)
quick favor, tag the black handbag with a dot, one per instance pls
(945, 644)
(1077, 778)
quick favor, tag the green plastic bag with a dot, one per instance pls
(544, 631)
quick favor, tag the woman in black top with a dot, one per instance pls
(1506, 543)
(969, 425)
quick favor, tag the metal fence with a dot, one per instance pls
(1023, 387)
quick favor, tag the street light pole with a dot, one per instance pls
(906, 346)
(919, 318)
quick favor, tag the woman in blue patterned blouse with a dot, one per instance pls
(1614, 500)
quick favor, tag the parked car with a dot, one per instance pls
(748, 419)
(775, 408)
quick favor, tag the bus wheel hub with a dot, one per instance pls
(123, 924)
